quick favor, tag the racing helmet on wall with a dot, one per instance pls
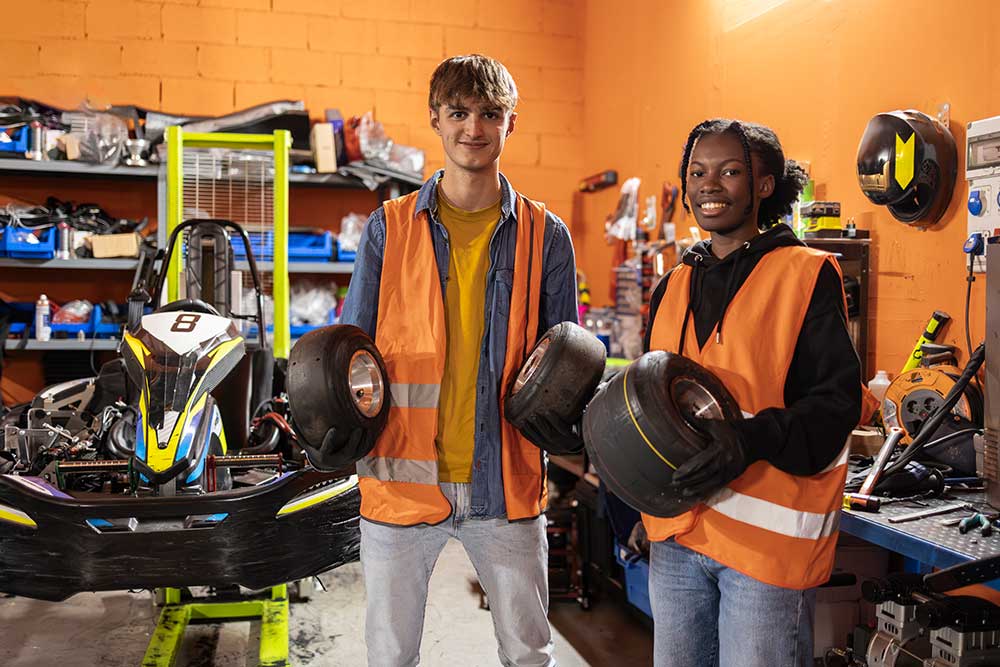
(908, 162)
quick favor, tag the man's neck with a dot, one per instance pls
(471, 191)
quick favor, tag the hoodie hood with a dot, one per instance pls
(736, 266)
(779, 236)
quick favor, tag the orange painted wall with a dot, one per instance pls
(216, 56)
(603, 85)
(815, 71)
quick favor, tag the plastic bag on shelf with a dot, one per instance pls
(311, 302)
(350, 231)
(407, 159)
(375, 144)
(73, 312)
(102, 135)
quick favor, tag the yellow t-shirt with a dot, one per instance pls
(469, 234)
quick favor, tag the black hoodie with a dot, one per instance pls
(823, 386)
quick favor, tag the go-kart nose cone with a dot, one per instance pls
(367, 389)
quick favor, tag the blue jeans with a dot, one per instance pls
(511, 559)
(707, 614)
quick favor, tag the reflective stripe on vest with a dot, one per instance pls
(415, 395)
(773, 526)
(399, 479)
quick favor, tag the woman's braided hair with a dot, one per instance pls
(789, 177)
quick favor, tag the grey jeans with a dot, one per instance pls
(511, 559)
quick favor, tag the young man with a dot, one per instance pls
(455, 283)
(732, 582)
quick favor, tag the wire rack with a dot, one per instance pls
(236, 185)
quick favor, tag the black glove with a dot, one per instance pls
(723, 460)
(341, 447)
(552, 434)
(638, 540)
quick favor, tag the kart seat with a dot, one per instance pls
(189, 305)
(248, 385)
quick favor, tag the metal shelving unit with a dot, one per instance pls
(303, 267)
(75, 168)
(62, 344)
(84, 264)
(57, 168)
(337, 181)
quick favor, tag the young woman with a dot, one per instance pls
(733, 581)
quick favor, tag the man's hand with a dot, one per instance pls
(723, 460)
(341, 447)
(553, 434)
(638, 541)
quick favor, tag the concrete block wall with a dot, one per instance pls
(217, 56)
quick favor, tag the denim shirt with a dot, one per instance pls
(557, 304)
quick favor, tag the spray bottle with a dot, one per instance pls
(43, 329)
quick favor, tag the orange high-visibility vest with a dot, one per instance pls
(399, 478)
(778, 528)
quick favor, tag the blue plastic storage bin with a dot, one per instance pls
(297, 330)
(261, 243)
(16, 245)
(345, 255)
(73, 330)
(105, 328)
(310, 246)
(23, 312)
(636, 578)
(3, 246)
(19, 140)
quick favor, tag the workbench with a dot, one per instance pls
(926, 540)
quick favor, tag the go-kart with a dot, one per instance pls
(180, 464)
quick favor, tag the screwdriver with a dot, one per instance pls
(934, 511)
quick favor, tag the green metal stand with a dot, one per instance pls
(175, 617)
(280, 143)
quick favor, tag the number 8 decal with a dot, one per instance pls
(185, 322)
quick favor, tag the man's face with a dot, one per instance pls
(718, 186)
(473, 133)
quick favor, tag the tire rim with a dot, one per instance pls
(531, 365)
(367, 387)
(694, 400)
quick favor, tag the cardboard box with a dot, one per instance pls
(324, 148)
(866, 441)
(70, 144)
(115, 245)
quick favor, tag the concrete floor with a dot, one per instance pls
(112, 629)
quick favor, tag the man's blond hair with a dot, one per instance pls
(475, 76)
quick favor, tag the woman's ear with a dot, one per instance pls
(765, 187)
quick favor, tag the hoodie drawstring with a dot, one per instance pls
(691, 297)
(730, 284)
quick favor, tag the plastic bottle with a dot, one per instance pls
(43, 329)
(879, 384)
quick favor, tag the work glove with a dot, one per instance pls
(638, 540)
(723, 460)
(552, 434)
(340, 448)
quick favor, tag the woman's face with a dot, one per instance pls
(718, 185)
